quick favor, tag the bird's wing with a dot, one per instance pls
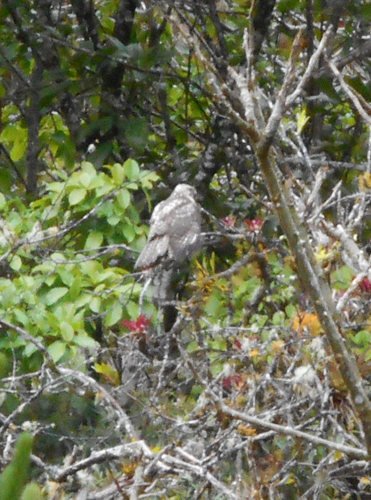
(154, 251)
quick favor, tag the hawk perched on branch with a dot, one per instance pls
(175, 230)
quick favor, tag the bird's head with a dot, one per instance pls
(184, 190)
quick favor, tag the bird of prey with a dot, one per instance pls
(175, 231)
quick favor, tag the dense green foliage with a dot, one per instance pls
(14, 477)
(105, 107)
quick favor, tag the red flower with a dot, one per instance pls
(237, 343)
(229, 221)
(138, 326)
(233, 381)
(254, 225)
(365, 285)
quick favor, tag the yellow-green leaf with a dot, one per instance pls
(301, 120)
(76, 196)
(131, 169)
(123, 197)
(94, 240)
(118, 173)
(109, 373)
(67, 331)
(56, 350)
(94, 304)
(55, 294)
(114, 315)
(32, 492)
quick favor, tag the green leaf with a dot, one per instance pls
(291, 311)
(132, 309)
(113, 220)
(114, 315)
(118, 173)
(85, 179)
(363, 337)
(76, 196)
(14, 477)
(213, 305)
(2, 201)
(55, 294)
(58, 258)
(123, 197)
(128, 232)
(94, 304)
(15, 263)
(301, 120)
(21, 316)
(67, 331)
(56, 187)
(109, 373)
(94, 240)
(91, 268)
(32, 492)
(85, 341)
(89, 168)
(131, 170)
(57, 350)
(148, 179)
(278, 318)
(18, 150)
(67, 275)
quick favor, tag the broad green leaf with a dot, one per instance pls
(67, 331)
(65, 311)
(131, 170)
(132, 309)
(91, 268)
(85, 179)
(9, 294)
(15, 263)
(118, 173)
(89, 168)
(67, 274)
(129, 233)
(123, 197)
(104, 189)
(148, 179)
(76, 196)
(2, 201)
(278, 318)
(213, 305)
(56, 187)
(32, 492)
(113, 220)
(58, 258)
(114, 315)
(95, 304)
(29, 350)
(14, 477)
(82, 300)
(94, 240)
(57, 350)
(19, 149)
(363, 337)
(291, 311)
(21, 316)
(85, 341)
(55, 294)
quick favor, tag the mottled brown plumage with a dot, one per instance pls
(175, 229)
